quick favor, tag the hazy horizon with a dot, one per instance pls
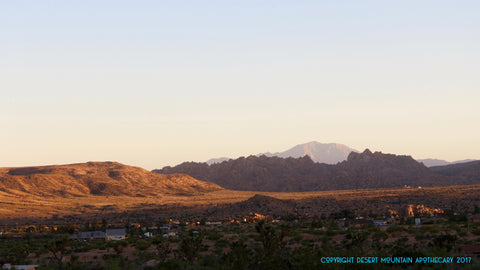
(156, 83)
(232, 157)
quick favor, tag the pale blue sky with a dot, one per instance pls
(155, 83)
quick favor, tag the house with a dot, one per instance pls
(19, 267)
(166, 227)
(170, 235)
(88, 235)
(213, 223)
(115, 234)
(380, 223)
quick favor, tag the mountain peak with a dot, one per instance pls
(367, 152)
(365, 155)
(329, 153)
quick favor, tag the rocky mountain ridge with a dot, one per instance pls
(359, 171)
(331, 153)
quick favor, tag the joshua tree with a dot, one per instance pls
(163, 248)
(273, 246)
(190, 246)
(58, 249)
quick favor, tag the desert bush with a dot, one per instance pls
(214, 236)
(393, 229)
(142, 244)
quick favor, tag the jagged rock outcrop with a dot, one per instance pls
(359, 171)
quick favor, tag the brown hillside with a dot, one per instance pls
(97, 178)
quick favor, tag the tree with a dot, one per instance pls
(72, 261)
(356, 239)
(190, 246)
(58, 248)
(446, 241)
(4, 254)
(119, 247)
(239, 257)
(104, 224)
(162, 247)
(273, 245)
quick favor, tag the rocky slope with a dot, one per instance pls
(97, 178)
(359, 171)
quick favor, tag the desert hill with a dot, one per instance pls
(432, 162)
(266, 205)
(462, 172)
(96, 178)
(359, 171)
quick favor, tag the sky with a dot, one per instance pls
(157, 83)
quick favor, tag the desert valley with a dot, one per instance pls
(365, 195)
(362, 182)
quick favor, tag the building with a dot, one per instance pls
(88, 235)
(19, 267)
(115, 234)
(418, 221)
(170, 235)
(213, 223)
(380, 223)
(165, 227)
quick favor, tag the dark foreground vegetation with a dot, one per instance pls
(288, 243)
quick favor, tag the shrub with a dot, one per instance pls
(142, 244)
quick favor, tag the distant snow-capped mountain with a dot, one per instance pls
(217, 160)
(329, 153)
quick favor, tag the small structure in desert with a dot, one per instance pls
(19, 267)
(88, 235)
(115, 234)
